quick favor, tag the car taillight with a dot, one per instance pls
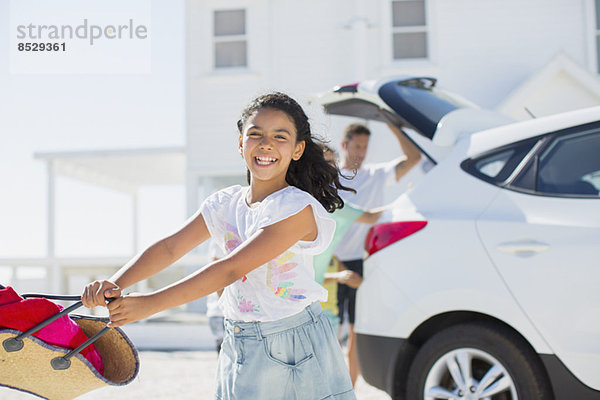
(382, 235)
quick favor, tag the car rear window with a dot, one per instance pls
(493, 165)
(569, 165)
(558, 164)
(498, 165)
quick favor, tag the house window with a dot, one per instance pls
(409, 29)
(230, 39)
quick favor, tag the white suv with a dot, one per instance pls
(485, 282)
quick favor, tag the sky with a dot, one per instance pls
(120, 94)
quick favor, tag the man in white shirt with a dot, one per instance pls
(369, 182)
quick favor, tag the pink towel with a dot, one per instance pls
(23, 314)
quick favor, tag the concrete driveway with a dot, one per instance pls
(177, 375)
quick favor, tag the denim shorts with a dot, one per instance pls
(297, 357)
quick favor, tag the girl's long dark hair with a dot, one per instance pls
(311, 173)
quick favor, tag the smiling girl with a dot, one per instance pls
(278, 343)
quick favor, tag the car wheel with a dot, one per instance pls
(477, 361)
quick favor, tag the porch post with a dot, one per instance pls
(135, 231)
(141, 286)
(53, 269)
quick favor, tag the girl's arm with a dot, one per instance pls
(266, 244)
(152, 260)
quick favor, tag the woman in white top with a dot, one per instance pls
(278, 344)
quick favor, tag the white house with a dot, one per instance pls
(521, 57)
(539, 55)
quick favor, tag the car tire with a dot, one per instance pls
(477, 360)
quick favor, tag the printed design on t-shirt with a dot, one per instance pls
(279, 276)
(232, 240)
(245, 305)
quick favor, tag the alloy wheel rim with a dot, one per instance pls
(469, 374)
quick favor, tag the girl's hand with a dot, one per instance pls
(130, 308)
(94, 293)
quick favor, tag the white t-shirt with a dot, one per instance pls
(285, 285)
(369, 183)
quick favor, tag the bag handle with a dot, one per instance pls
(16, 343)
(58, 363)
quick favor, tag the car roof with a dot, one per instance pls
(489, 139)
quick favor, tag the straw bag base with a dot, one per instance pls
(30, 369)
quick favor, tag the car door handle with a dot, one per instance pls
(523, 248)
